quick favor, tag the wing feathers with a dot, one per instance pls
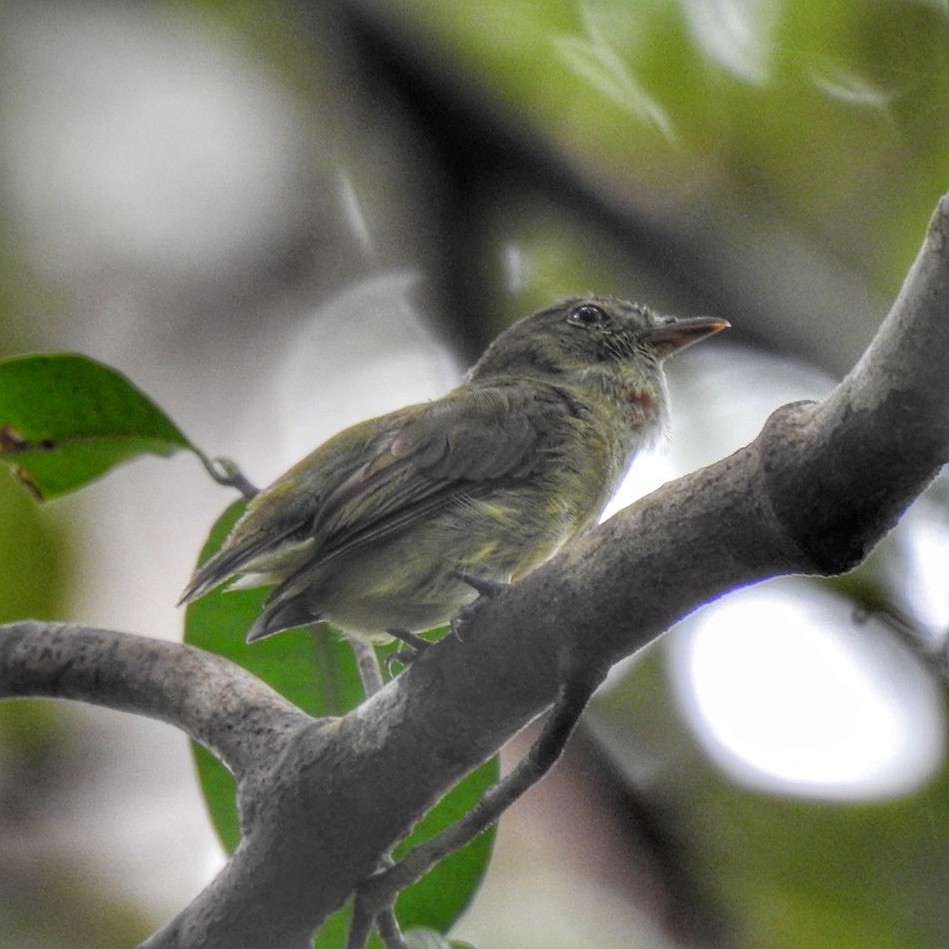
(379, 478)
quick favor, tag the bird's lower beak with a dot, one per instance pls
(680, 332)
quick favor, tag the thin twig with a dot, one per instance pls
(360, 926)
(367, 662)
(573, 698)
(227, 473)
(389, 929)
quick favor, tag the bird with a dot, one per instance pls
(391, 526)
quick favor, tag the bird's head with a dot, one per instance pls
(582, 332)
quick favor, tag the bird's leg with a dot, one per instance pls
(414, 642)
(485, 587)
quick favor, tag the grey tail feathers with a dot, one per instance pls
(281, 615)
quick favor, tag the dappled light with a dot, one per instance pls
(790, 693)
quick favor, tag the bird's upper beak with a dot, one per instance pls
(680, 332)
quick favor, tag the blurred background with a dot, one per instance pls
(282, 217)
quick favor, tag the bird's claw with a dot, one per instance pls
(414, 647)
(402, 657)
(485, 587)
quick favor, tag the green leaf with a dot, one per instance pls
(66, 420)
(316, 670)
(439, 898)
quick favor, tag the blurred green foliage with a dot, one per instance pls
(781, 872)
(829, 115)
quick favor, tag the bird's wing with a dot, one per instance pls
(280, 519)
(408, 466)
(465, 445)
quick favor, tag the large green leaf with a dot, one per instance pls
(66, 419)
(316, 670)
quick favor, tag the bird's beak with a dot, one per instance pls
(680, 332)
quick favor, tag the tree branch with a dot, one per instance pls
(238, 718)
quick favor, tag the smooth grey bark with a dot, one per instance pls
(322, 800)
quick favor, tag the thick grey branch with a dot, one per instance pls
(220, 705)
(851, 465)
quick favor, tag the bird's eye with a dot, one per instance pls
(588, 315)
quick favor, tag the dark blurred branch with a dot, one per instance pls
(812, 494)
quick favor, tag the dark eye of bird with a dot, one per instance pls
(588, 315)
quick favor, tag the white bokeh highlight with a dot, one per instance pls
(789, 693)
(140, 140)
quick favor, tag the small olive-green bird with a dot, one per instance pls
(371, 530)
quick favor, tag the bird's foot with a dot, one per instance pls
(485, 587)
(415, 646)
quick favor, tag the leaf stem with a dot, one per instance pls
(227, 473)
